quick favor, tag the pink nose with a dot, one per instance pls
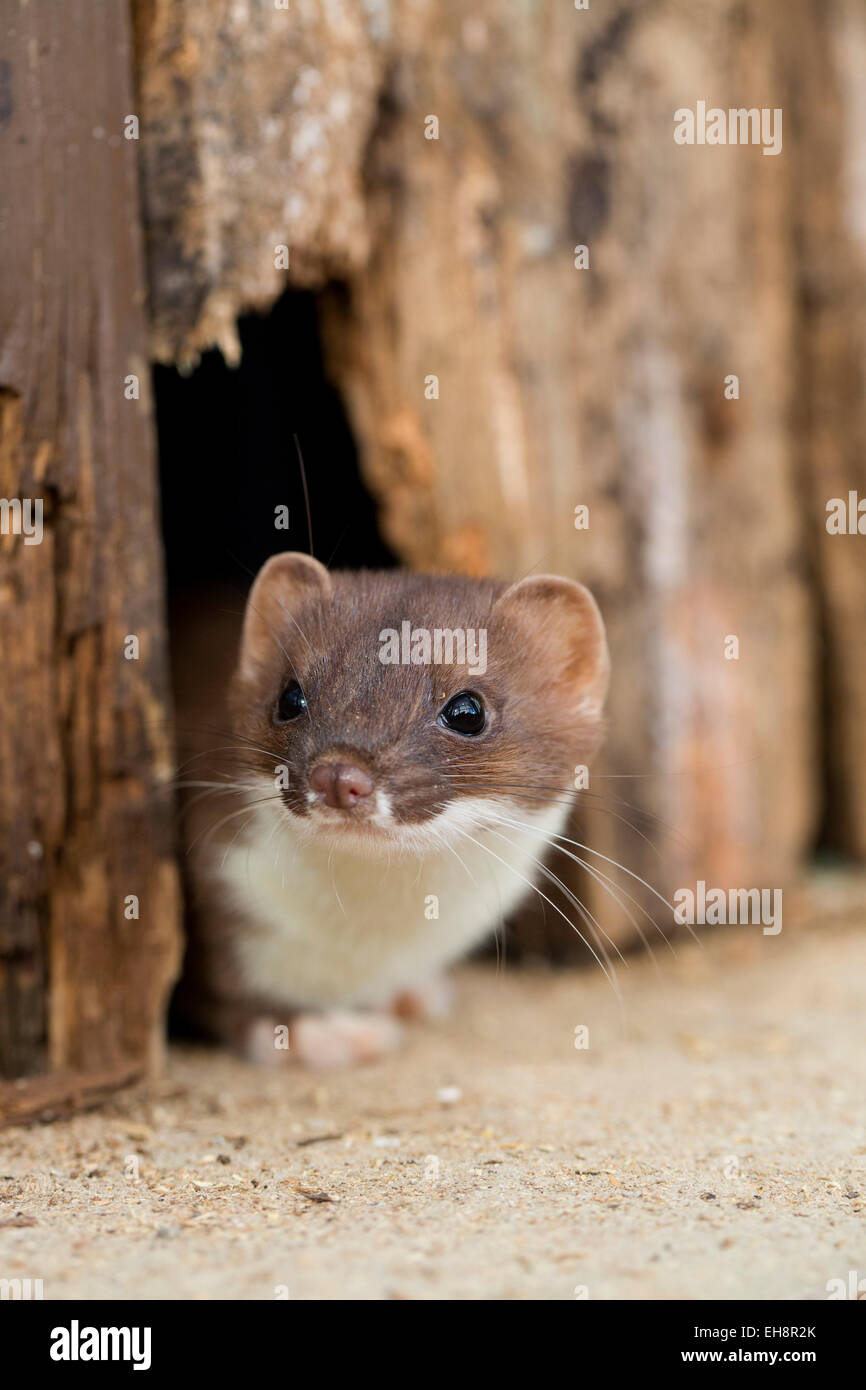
(340, 784)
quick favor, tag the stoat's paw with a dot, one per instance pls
(330, 1040)
(265, 1041)
(432, 1000)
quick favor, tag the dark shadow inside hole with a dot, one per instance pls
(228, 458)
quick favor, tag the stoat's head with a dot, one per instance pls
(386, 710)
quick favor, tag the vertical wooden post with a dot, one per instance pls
(829, 214)
(89, 901)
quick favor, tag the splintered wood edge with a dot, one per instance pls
(43, 1098)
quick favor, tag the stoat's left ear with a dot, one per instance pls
(282, 586)
(565, 632)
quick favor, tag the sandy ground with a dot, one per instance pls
(710, 1142)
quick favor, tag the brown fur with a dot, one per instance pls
(544, 688)
(545, 653)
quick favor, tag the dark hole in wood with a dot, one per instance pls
(228, 460)
(228, 457)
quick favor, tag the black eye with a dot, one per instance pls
(292, 703)
(464, 714)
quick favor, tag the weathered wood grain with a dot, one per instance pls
(85, 750)
(828, 110)
(62, 1093)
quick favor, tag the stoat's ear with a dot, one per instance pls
(564, 632)
(282, 586)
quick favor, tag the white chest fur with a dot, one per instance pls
(322, 928)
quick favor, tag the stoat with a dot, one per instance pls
(375, 793)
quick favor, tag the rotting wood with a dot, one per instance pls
(51, 1097)
(85, 746)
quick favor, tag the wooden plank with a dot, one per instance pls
(829, 214)
(44, 1098)
(85, 751)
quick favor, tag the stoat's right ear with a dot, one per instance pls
(282, 586)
